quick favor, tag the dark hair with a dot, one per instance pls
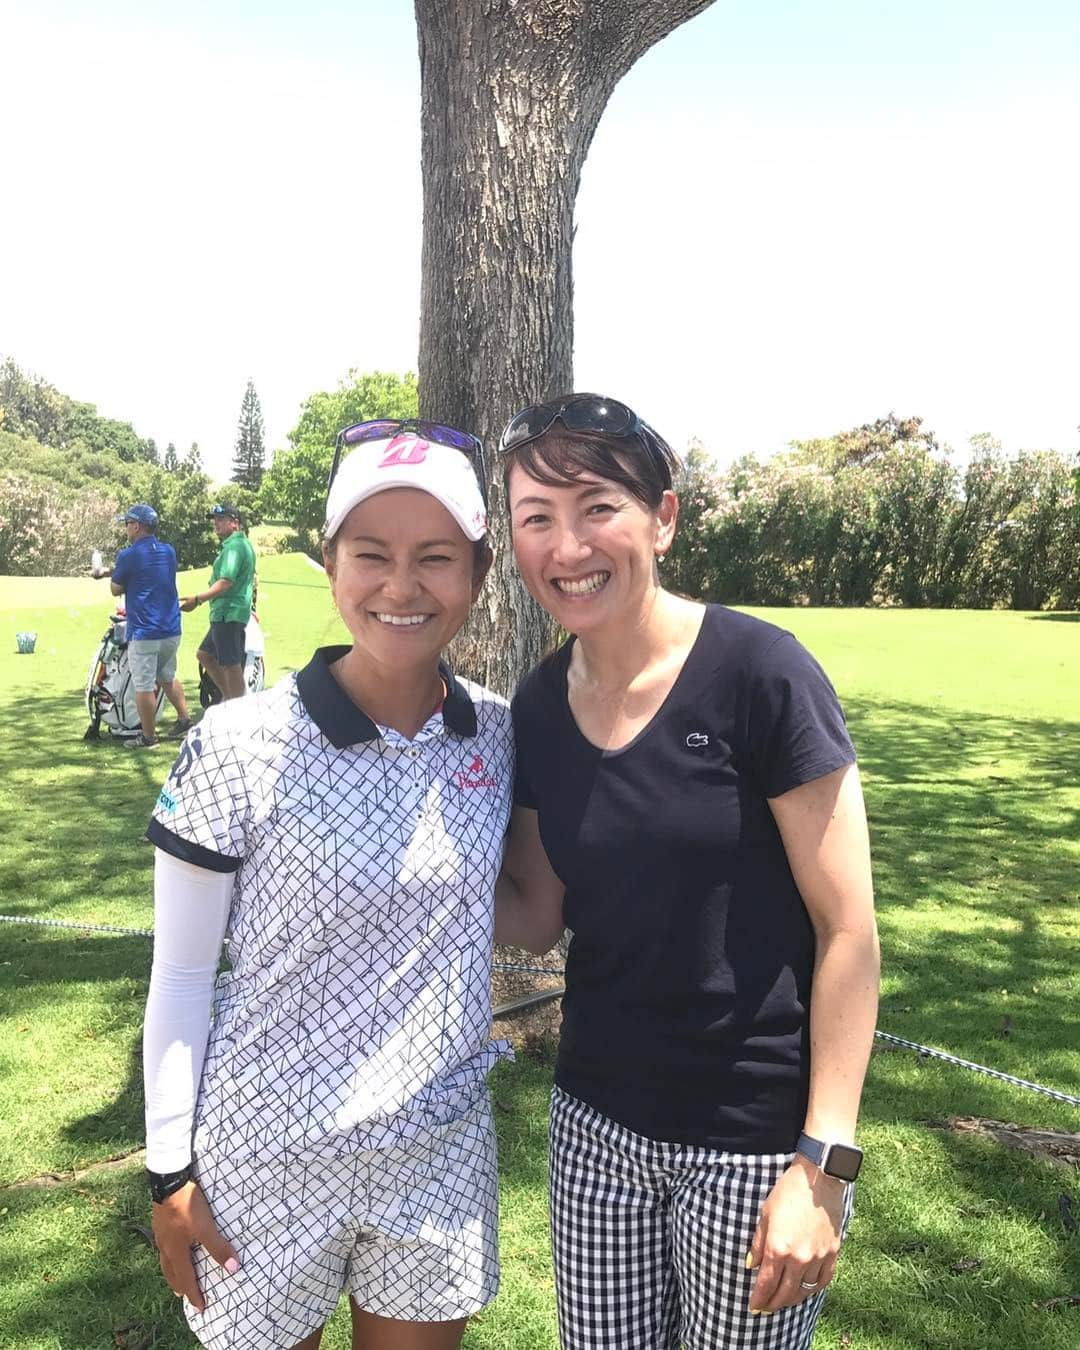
(644, 464)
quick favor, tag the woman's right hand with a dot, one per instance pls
(179, 1222)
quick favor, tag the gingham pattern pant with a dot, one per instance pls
(650, 1241)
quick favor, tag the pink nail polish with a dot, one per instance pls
(232, 1265)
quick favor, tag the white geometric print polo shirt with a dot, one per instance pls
(356, 1011)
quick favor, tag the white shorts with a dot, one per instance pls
(409, 1233)
(152, 661)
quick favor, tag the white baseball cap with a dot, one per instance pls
(408, 460)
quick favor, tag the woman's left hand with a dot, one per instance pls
(797, 1239)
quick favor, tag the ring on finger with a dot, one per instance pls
(809, 1284)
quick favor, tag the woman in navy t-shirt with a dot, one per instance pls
(687, 804)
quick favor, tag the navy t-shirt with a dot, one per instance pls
(146, 570)
(686, 1015)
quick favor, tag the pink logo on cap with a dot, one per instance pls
(404, 450)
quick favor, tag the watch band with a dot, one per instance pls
(164, 1184)
(821, 1154)
(811, 1148)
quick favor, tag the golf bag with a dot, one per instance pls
(110, 691)
(254, 665)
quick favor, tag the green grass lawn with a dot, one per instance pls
(968, 730)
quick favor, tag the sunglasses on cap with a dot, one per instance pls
(590, 413)
(381, 428)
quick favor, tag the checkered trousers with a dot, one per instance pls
(650, 1241)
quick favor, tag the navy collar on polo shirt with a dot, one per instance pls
(344, 724)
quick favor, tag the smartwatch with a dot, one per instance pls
(164, 1184)
(835, 1160)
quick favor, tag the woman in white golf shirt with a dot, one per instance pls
(326, 1127)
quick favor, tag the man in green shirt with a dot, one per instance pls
(231, 582)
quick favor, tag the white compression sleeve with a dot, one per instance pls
(191, 910)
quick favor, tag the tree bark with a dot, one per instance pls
(512, 91)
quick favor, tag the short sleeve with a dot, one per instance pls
(121, 569)
(796, 727)
(202, 811)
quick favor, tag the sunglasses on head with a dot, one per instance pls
(383, 427)
(585, 413)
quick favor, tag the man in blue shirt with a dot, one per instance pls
(145, 574)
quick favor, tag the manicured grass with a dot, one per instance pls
(969, 737)
(969, 740)
(72, 815)
(74, 1267)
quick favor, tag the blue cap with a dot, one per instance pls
(142, 514)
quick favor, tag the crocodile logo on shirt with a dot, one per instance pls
(697, 739)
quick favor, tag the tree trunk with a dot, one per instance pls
(512, 91)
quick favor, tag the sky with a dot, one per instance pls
(794, 217)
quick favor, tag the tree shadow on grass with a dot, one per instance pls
(1055, 618)
(961, 1243)
(72, 816)
(73, 1270)
(82, 1276)
(73, 1267)
(974, 835)
(975, 877)
(70, 1004)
